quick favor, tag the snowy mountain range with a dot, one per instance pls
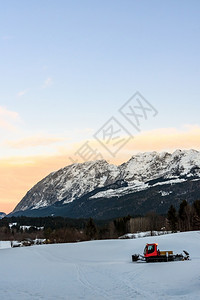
(148, 181)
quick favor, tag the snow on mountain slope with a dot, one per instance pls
(145, 166)
(151, 165)
(2, 215)
(74, 181)
(134, 187)
(101, 270)
(70, 182)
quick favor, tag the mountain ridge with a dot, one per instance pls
(141, 172)
(2, 215)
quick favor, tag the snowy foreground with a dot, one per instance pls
(100, 270)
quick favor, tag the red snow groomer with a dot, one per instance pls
(153, 254)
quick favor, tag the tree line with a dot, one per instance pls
(186, 218)
(62, 230)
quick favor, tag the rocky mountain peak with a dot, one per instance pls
(74, 181)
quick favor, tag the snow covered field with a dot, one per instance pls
(100, 270)
(5, 244)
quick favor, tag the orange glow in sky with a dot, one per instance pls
(19, 174)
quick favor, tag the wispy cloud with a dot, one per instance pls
(48, 82)
(22, 93)
(33, 141)
(8, 119)
(164, 139)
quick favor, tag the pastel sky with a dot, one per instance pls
(66, 69)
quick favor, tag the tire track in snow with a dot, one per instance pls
(118, 286)
(82, 278)
(124, 287)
